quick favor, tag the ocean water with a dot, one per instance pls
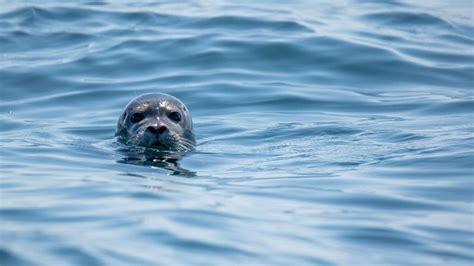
(329, 133)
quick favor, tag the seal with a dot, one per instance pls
(157, 120)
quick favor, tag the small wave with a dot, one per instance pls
(89, 17)
(412, 20)
(18, 41)
(8, 257)
(391, 3)
(449, 108)
(244, 23)
(375, 236)
(460, 39)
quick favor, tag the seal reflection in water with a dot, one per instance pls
(157, 120)
(143, 156)
(158, 129)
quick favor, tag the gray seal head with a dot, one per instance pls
(157, 120)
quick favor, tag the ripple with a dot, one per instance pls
(407, 20)
(195, 245)
(34, 16)
(443, 57)
(44, 42)
(10, 258)
(457, 38)
(76, 255)
(377, 236)
(243, 23)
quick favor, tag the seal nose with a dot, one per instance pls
(156, 130)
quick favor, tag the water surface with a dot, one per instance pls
(329, 133)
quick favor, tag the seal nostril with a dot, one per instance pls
(155, 130)
(151, 129)
(162, 129)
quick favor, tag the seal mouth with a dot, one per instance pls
(158, 145)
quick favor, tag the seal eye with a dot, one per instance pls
(137, 117)
(175, 116)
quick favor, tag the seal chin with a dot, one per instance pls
(148, 142)
(159, 145)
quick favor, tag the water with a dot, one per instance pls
(329, 133)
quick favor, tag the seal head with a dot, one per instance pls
(157, 120)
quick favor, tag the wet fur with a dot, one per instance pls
(179, 136)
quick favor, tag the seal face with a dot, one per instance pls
(157, 120)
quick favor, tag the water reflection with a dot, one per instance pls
(151, 157)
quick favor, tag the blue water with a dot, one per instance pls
(329, 133)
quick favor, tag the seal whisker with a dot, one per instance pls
(183, 144)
